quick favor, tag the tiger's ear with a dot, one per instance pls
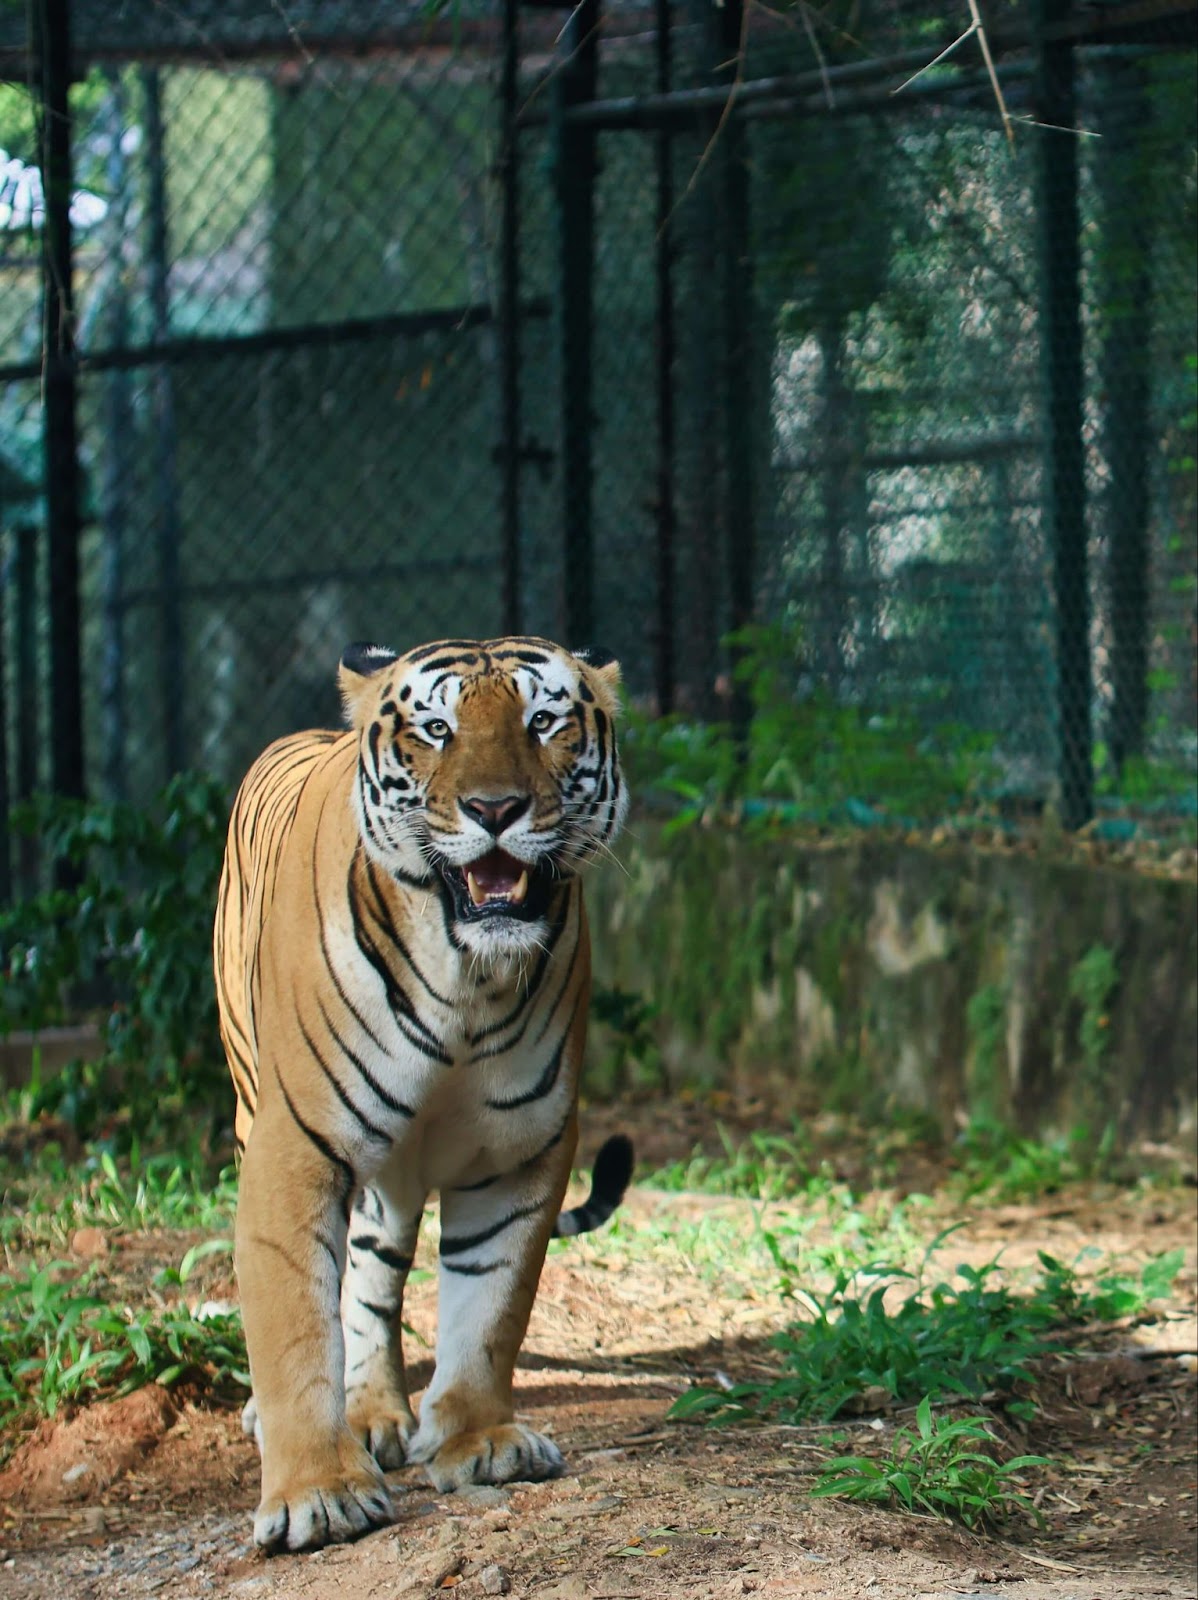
(603, 675)
(359, 665)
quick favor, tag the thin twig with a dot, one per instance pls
(988, 59)
(1056, 127)
(568, 21)
(947, 51)
(725, 113)
(555, 70)
(293, 34)
(804, 13)
(1039, 1561)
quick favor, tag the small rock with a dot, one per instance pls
(482, 1495)
(589, 1508)
(495, 1580)
(566, 1589)
(73, 1474)
(89, 1244)
(208, 1309)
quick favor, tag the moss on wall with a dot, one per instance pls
(867, 972)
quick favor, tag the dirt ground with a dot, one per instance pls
(152, 1495)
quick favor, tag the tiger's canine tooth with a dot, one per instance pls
(476, 894)
(521, 889)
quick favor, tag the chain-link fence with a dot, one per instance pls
(636, 321)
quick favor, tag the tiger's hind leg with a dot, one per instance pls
(382, 1241)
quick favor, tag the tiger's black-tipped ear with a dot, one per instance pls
(359, 664)
(603, 675)
(595, 655)
(366, 659)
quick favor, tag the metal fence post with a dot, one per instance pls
(664, 674)
(737, 279)
(509, 313)
(117, 467)
(5, 792)
(574, 173)
(1064, 490)
(25, 674)
(25, 653)
(52, 46)
(1125, 262)
(170, 621)
(701, 313)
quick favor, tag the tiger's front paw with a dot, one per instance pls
(383, 1425)
(498, 1454)
(327, 1507)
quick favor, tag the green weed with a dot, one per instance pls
(1092, 981)
(993, 1159)
(821, 1228)
(943, 1341)
(1113, 1294)
(630, 1056)
(157, 1191)
(960, 1339)
(764, 1166)
(941, 1467)
(61, 1340)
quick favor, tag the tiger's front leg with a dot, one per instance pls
(319, 1482)
(493, 1244)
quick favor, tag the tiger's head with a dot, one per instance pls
(490, 765)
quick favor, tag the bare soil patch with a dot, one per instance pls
(652, 1507)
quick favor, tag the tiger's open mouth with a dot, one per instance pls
(499, 885)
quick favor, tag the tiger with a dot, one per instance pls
(402, 969)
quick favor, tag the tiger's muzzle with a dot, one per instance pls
(496, 885)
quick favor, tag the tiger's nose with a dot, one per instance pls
(495, 815)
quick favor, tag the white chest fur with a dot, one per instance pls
(459, 1073)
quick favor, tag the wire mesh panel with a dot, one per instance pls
(907, 540)
(739, 332)
(284, 289)
(912, 277)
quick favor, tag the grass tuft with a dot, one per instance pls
(764, 1166)
(943, 1467)
(61, 1341)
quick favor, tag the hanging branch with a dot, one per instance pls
(978, 27)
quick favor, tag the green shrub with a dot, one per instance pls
(804, 757)
(135, 930)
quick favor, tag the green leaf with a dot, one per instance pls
(923, 1417)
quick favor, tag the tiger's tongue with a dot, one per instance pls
(497, 872)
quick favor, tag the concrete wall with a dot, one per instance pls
(867, 973)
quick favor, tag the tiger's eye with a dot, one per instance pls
(436, 729)
(540, 720)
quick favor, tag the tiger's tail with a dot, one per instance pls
(609, 1180)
